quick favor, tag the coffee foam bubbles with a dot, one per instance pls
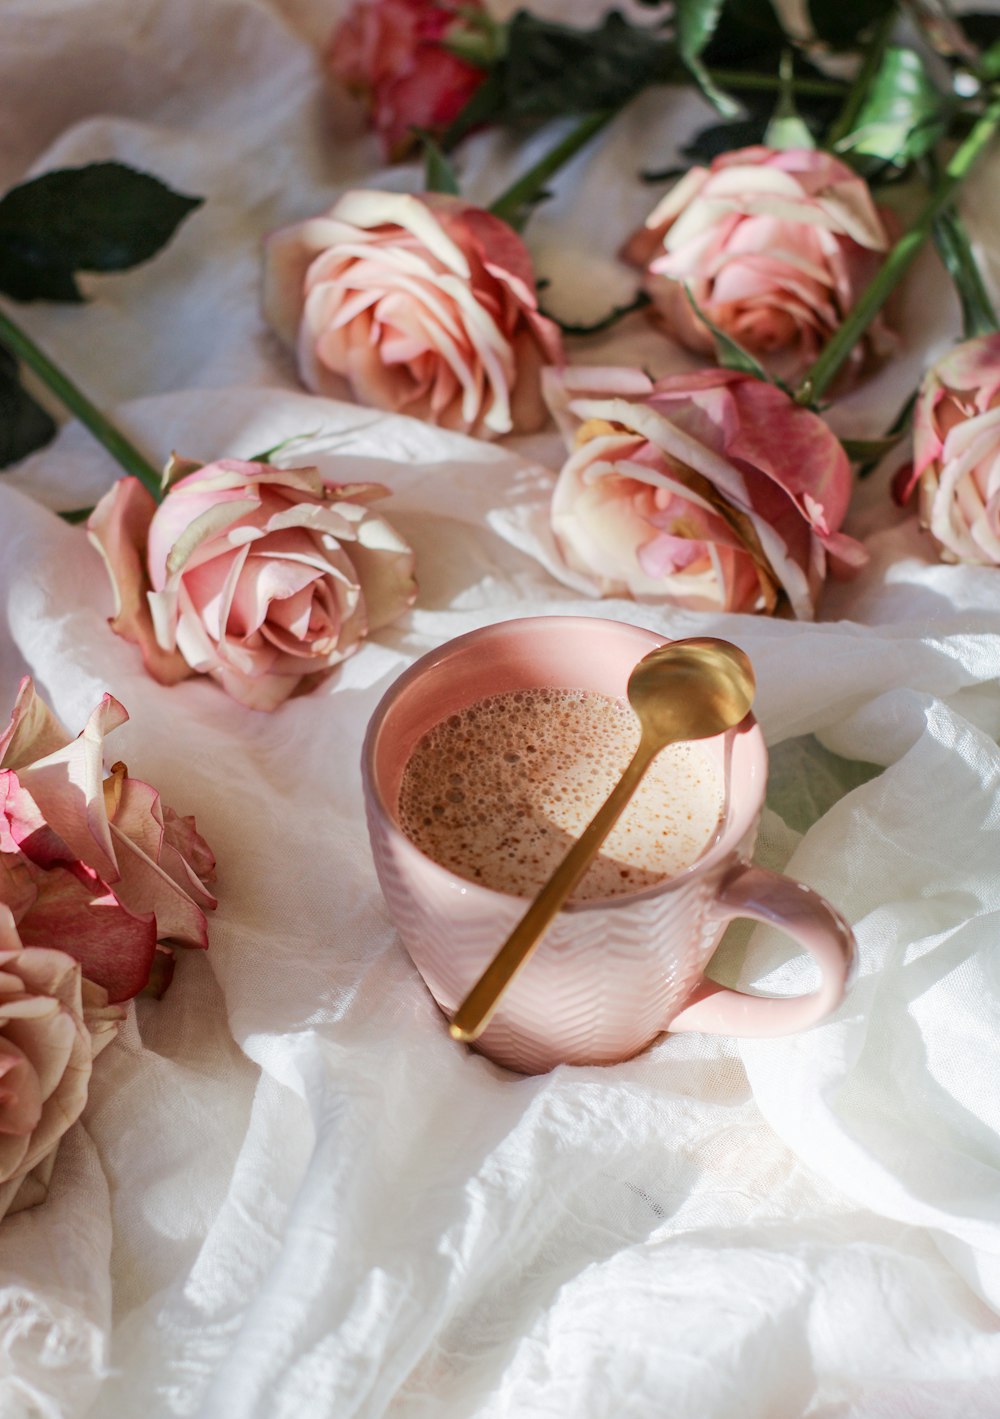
(498, 792)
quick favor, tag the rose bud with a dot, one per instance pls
(956, 453)
(393, 55)
(711, 491)
(424, 305)
(95, 865)
(263, 578)
(775, 247)
(52, 1025)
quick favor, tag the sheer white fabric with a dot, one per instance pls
(292, 1195)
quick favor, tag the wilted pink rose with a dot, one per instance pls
(264, 578)
(956, 453)
(775, 247)
(52, 1025)
(96, 866)
(392, 54)
(712, 491)
(424, 305)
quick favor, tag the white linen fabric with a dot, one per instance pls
(291, 1193)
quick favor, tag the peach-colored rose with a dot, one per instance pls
(52, 1025)
(712, 491)
(775, 247)
(264, 578)
(425, 305)
(96, 866)
(392, 54)
(956, 453)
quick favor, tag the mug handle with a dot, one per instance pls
(769, 897)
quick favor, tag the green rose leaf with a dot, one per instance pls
(696, 21)
(843, 24)
(730, 354)
(552, 69)
(439, 175)
(748, 35)
(902, 117)
(24, 425)
(711, 142)
(103, 217)
(955, 250)
(870, 450)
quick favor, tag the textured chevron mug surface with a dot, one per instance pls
(608, 976)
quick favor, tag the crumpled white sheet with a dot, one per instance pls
(292, 1194)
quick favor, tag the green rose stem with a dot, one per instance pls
(68, 394)
(771, 83)
(875, 294)
(513, 206)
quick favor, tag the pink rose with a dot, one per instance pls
(52, 1025)
(392, 55)
(775, 246)
(956, 453)
(96, 866)
(264, 578)
(713, 490)
(424, 305)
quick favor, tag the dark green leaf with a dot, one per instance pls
(25, 279)
(485, 106)
(279, 447)
(844, 24)
(896, 429)
(982, 29)
(729, 353)
(595, 327)
(723, 137)
(749, 35)
(903, 116)
(552, 69)
(439, 175)
(24, 425)
(103, 217)
(955, 250)
(990, 62)
(74, 516)
(695, 22)
(870, 450)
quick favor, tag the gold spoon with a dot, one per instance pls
(690, 689)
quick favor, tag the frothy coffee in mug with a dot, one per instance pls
(498, 792)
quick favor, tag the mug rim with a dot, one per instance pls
(732, 833)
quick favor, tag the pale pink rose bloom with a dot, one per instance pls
(956, 453)
(52, 1025)
(712, 491)
(775, 247)
(97, 866)
(263, 578)
(392, 55)
(424, 304)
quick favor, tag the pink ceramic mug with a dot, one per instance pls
(611, 975)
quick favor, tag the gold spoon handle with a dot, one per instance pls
(476, 1010)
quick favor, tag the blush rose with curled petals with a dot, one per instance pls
(393, 55)
(711, 491)
(53, 1024)
(263, 578)
(775, 247)
(424, 305)
(956, 453)
(92, 864)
